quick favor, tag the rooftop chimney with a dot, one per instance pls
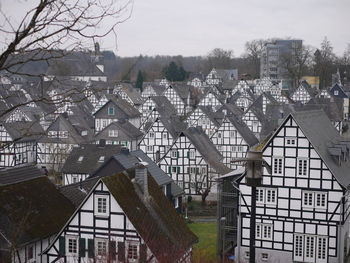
(141, 177)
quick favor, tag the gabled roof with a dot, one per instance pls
(318, 129)
(173, 125)
(90, 161)
(19, 174)
(243, 129)
(123, 106)
(32, 210)
(154, 218)
(24, 131)
(215, 117)
(125, 126)
(210, 154)
(133, 93)
(163, 106)
(256, 107)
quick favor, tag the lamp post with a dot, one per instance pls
(254, 171)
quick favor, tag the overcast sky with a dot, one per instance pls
(194, 27)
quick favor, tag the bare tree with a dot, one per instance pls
(297, 63)
(219, 58)
(253, 50)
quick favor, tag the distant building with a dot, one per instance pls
(272, 57)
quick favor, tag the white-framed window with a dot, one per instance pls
(149, 148)
(336, 92)
(102, 205)
(72, 245)
(316, 200)
(52, 134)
(101, 159)
(192, 154)
(277, 165)
(192, 170)
(113, 133)
(165, 136)
(74, 179)
(303, 165)
(263, 231)
(151, 135)
(80, 159)
(290, 141)
(63, 134)
(233, 134)
(132, 251)
(264, 256)
(174, 154)
(310, 248)
(266, 196)
(164, 190)
(101, 248)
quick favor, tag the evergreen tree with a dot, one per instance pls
(174, 73)
(139, 80)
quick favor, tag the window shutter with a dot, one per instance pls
(178, 169)
(62, 246)
(91, 248)
(169, 169)
(143, 253)
(82, 248)
(188, 154)
(112, 250)
(178, 154)
(121, 251)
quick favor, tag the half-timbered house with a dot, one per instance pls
(32, 212)
(303, 93)
(302, 208)
(193, 162)
(124, 217)
(19, 143)
(115, 109)
(175, 99)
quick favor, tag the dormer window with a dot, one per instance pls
(101, 159)
(110, 111)
(80, 159)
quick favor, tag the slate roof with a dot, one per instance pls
(215, 117)
(122, 105)
(243, 129)
(256, 107)
(155, 219)
(24, 131)
(123, 125)
(210, 154)
(18, 174)
(33, 209)
(173, 125)
(132, 92)
(164, 106)
(77, 192)
(91, 154)
(317, 127)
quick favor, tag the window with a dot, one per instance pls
(132, 252)
(336, 92)
(302, 166)
(264, 256)
(74, 179)
(101, 159)
(176, 202)
(165, 136)
(80, 159)
(263, 231)
(63, 134)
(151, 135)
(246, 255)
(30, 253)
(110, 111)
(191, 154)
(72, 245)
(149, 148)
(316, 200)
(277, 163)
(101, 248)
(290, 141)
(310, 248)
(266, 196)
(233, 134)
(174, 154)
(101, 205)
(113, 133)
(237, 148)
(52, 134)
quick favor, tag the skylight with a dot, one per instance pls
(102, 159)
(80, 158)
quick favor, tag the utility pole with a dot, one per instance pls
(254, 171)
